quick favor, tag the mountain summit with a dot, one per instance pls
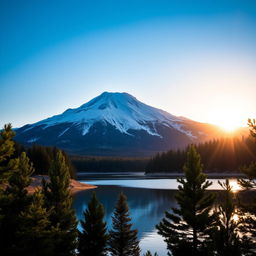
(121, 110)
(115, 124)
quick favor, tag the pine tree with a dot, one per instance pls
(186, 230)
(226, 234)
(123, 240)
(14, 200)
(6, 151)
(36, 234)
(249, 210)
(93, 238)
(24, 224)
(59, 201)
(252, 126)
(250, 171)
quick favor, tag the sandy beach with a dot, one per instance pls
(75, 186)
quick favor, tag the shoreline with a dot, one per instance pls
(209, 175)
(75, 185)
(141, 175)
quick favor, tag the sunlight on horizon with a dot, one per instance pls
(229, 118)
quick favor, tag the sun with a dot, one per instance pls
(230, 126)
(228, 119)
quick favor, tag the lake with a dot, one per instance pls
(148, 199)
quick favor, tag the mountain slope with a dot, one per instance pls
(115, 124)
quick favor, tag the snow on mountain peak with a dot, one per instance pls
(121, 110)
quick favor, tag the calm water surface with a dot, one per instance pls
(148, 199)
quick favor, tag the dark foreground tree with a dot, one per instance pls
(93, 238)
(226, 234)
(36, 232)
(24, 226)
(186, 230)
(123, 240)
(249, 209)
(14, 200)
(7, 164)
(59, 201)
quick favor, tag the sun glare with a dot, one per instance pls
(234, 186)
(235, 217)
(228, 119)
(229, 126)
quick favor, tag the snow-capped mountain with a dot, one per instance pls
(115, 124)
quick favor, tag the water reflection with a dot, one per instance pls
(148, 200)
(234, 186)
(147, 207)
(157, 183)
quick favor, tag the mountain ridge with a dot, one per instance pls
(115, 122)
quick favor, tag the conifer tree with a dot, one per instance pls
(252, 126)
(24, 225)
(6, 151)
(123, 240)
(59, 201)
(249, 210)
(226, 234)
(250, 171)
(93, 238)
(186, 230)
(36, 233)
(14, 200)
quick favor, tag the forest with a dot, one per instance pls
(44, 223)
(219, 155)
(108, 164)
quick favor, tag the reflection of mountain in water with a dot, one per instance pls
(147, 206)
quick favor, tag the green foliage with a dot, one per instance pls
(32, 225)
(35, 236)
(42, 157)
(123, 240)
(249, 210)
(14, 200)
(250, 170)
(93, 238)
(6, 151)
(186, 230)
(6, 142)
(23, 224)
(59, 201)
(226, 233)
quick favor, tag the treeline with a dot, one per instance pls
(108, 164)
(38, 224)
(44, 223)
(42, 157)
(220, 155)
(199, 227)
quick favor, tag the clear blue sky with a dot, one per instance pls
(191, 58)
